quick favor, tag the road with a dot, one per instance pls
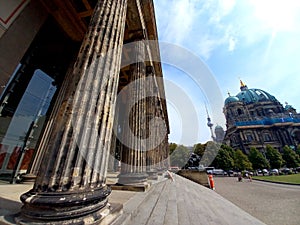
(273, 204)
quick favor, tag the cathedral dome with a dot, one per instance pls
(253, 95)
(231, 99)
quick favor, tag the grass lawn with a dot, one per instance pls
(291, 179)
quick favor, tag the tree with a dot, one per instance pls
(199, 149)
(290, 157)
(210, 153)
(172, 147)
(298, 150)
(274, 157)
(241, 161)
(179, 156)
(223, 160)
(228, 149)
(257, 159)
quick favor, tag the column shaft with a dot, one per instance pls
(133, 154)
(71, 180)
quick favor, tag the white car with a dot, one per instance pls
(274, 171)
(265, 172)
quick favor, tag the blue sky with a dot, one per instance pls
(256, 41)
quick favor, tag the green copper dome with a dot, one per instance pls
(251, 95)
(231, 99)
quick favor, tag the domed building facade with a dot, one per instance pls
(255, 118)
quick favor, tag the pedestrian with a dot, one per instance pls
(240, 177)
(250, 178)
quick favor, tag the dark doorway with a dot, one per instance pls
(31, 92)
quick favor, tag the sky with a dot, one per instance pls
(250, 40)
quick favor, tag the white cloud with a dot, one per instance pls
(187, 22)
(178, 18)
(278, 15)
(231, 45)
(219, 9)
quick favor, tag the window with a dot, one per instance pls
(249, 137)
(267, 137)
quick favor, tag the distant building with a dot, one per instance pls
(218, 135)
(255, 118)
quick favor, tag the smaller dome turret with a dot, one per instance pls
(231, 99)
(289, 108)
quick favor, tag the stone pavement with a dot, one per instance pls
(181, 202)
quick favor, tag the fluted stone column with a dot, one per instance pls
(70, 186)
(152, 152)
(133, 151)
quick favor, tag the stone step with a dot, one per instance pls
(131, 207)
(182, 202)
(142, 214)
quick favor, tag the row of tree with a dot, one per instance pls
(223, 156)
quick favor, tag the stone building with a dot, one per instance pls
(255, 118)
(80, 83)
(219, 133)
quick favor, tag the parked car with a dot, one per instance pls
(219, 172)
(230, 173)
(286, 171)
(274, 172)
(258, 172)
(265, 172)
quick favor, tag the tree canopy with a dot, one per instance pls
(241, 161)
(258, 160)
(199, 149)
(274, 157)
(179, 156)
(223, 159)
(290, 157)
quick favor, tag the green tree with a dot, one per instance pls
(290, 157)
(274, 157)
(179, 156)
(223, 160)
(210, 153)
(298, 150)
(199, 149)
(257, 159)
(172, 147)
(228, 149)
(241, 161)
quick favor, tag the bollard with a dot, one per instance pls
(211, 182)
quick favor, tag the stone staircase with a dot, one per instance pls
(181, 202)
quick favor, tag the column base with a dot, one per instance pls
(28, 178)
(106, 215)
(58, 207)
(132, 182)
(152, 174)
